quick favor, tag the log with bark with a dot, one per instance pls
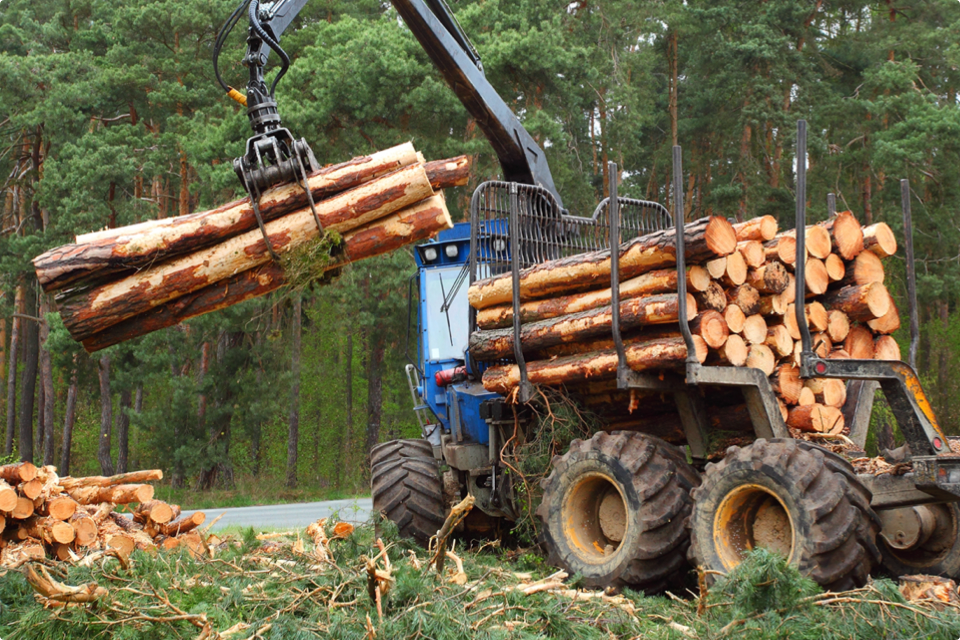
(879, 239)
(124, 249)
(816, 418)
(668, 354)
(860, 302)
(87, 312)
(365, 207)
(704, 239)
(400, 229)
(576, 327)
(658, 281)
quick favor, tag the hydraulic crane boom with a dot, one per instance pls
(434, 27)
(271, 154)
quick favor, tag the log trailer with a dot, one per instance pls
(626, 508)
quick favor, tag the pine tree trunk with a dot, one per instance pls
(293, 431)
(49, 397)
(944, 369)
(374, 389)
(257, 429)
(15, 329)
(41, 387)
(674, 77)
(28, 378)
(106, 418)
(344, 444)
(123, 430)
(70, 414)
(201, 375)
(138, 410)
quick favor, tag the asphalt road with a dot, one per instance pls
(274, 516)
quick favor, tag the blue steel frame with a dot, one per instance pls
(456, 406)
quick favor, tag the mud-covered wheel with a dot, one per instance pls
(923, 539)
(400, 449)
(790, 497)
(614, 508)
(407, 489)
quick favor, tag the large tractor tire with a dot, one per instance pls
(614, 509)
(790, 497)
(923, 539)
(406, 488)
(400, 449)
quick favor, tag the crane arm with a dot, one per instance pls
(438, 33)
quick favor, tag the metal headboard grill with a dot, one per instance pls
(508, 214)
(544, 232)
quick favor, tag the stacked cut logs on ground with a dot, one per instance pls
(45, 516)
(741, 297)
(117, 284)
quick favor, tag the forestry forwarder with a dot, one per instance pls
(668, 504)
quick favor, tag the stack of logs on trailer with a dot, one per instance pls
(43, 515)
(117, 284)
(740, 306)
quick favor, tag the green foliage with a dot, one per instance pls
(764, 597)
(765, 582)
(301, 598)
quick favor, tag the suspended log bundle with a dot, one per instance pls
(73, 517)
(117, 284)
(741, 311)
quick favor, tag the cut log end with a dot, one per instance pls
(734, 318)
(888, 322)
(760, 356)
(847, 235)
(733, 352)
(817, 277)
(755, 329)
(859, 343)
(720, 236)
(838, 325)
(752, 252)
(886, 348)
(836, 270)
(712, 327)
(816, 418)
(735, 272)
(879, 239)
(787, 383)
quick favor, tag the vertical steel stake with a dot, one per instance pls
(678, 222)
(525, 390)
(613, 209)
(801, 261)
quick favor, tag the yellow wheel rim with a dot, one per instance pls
(749, 517)
(594, 517)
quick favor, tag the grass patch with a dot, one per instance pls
(279, 589)
(248, 492)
